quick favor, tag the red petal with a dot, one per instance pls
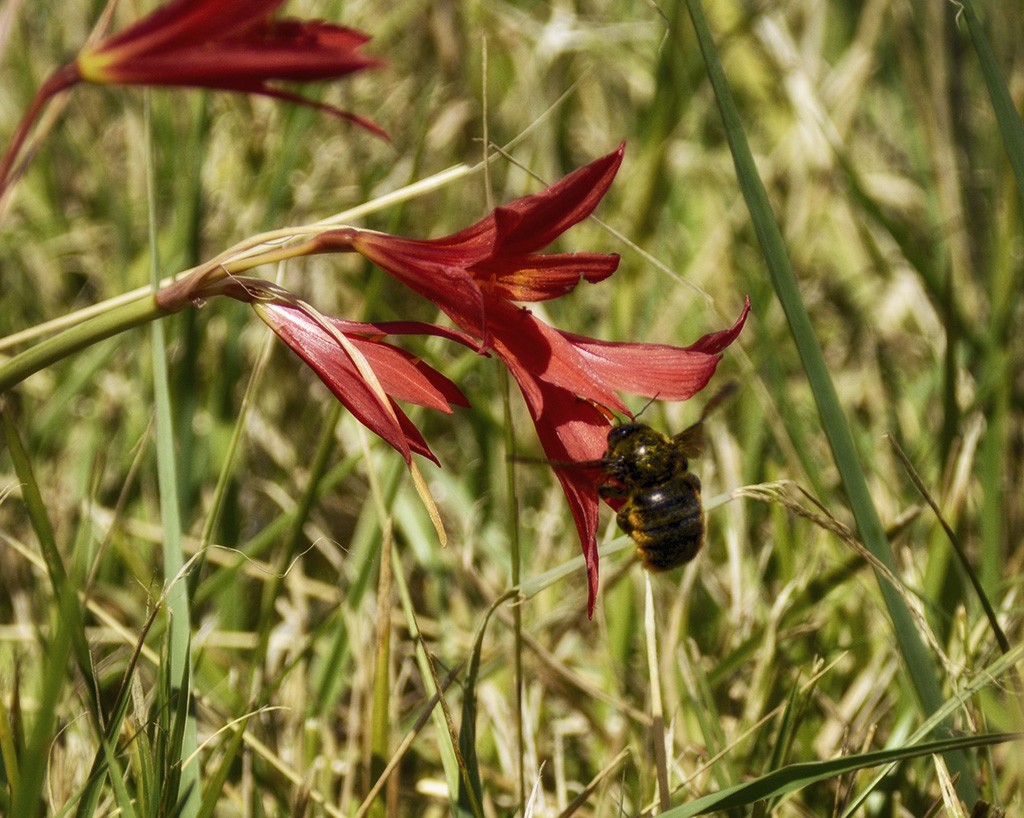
(332, 364)
(434, 273)
(532, 222)
(237, 66)
(408, 379)
(383, 328)
(528, 345)
(668, 372)
(572, 430)
(229, 45)
(542, 277)
(498, 250)
(717, 341)
(186, 22)
(291, 33)
(524, 225)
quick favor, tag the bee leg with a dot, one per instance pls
(613, 491)
(624, 518)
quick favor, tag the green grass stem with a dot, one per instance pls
(179, 626)
(1011, 128)
(919, 663)
(516, 568)
(456, 773)
(28, 799)
(1004, 289)
(379, 721)
(140, 311)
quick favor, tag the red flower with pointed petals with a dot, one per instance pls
(497, 256)
(231, 45)
(401, 375)
(569, 382)
(364, 373)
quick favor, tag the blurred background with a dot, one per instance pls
(876, 140)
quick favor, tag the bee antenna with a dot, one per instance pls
(644, 408)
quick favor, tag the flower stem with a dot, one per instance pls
(132, 314)
(58, 81)
(148, 307)
(516, 579)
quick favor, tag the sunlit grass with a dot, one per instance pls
(884, 161)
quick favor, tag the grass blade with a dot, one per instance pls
(27, 800)
(999, 371)
(796, 776)
(919, 663)
(380, 706)
(1010, 125)
(179, 625)
(455, 769)
(467, 729)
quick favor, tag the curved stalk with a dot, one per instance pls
(135, 313)
(60, 80)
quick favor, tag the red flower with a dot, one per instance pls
(231, 45)
(569, 382)
(496, 259)
(364, 373)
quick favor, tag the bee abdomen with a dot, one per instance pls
(666, 522)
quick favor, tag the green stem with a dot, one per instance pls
(185, 795)
(1011, 128)
(148, 307)
(133, 314)
(515, 555)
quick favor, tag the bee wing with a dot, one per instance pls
(690, 441)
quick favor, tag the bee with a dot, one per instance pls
(649, 473)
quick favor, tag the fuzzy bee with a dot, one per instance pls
(649, 474)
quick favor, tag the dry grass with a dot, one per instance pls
(881, 154)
